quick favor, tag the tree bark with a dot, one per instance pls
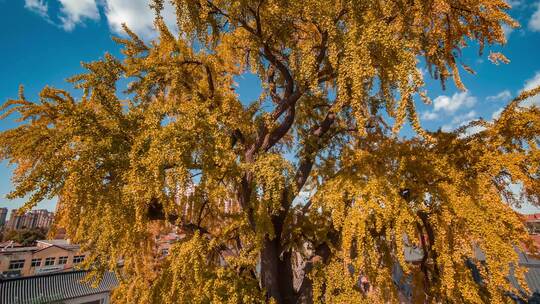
(270, 269)
(276, 264)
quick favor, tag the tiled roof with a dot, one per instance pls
(65, 244)
(55, 246)
(52, 287)
(532, 276)
(9, 244)
(17, 249)
(531, 217)
(60, 242)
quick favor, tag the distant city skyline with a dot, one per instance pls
(49, 205)
(35, 218)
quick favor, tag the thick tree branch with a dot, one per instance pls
(208, 71)
(314, 144)
(289, 101)
(156, 213)
(244, 196)
(273, 137)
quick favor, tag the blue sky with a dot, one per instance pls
(44, 42)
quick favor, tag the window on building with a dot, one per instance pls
(78, 258)
(36, 262)
(49, 261)
(62, 260)
(16, 264)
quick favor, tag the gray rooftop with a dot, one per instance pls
(17, 249)
(532, 276)
(52, 287)
(59, 242)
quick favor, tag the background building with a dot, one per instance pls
(45, 257)
(41, 218)
(532, 222)
(3, 216)
(64, 287)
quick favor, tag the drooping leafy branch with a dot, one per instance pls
(303, 193)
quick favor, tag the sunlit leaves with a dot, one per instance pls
(314, 166)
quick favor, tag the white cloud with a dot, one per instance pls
(507, 31)
(460, 120)
(529, 85)
(534, 22)
(514, 3)
(37, 6)
(497, 114)
(137, 14)
(73, 12)
(504, 95)
(447, 127)
(464, 118)
(454, 103)
(429, 115)
(472, 130)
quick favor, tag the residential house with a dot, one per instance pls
(46, 256)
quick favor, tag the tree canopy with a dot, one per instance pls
(300, 195)
(25, 237)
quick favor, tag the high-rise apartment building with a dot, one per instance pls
(14, 221)
(43, 218)
(3, 216)
(30, 220)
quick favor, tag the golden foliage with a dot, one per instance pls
(313, 169)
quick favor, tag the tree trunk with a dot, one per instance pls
(286, 277)
(276, 267)
(270, 270)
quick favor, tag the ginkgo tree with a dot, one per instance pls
(306, 195)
